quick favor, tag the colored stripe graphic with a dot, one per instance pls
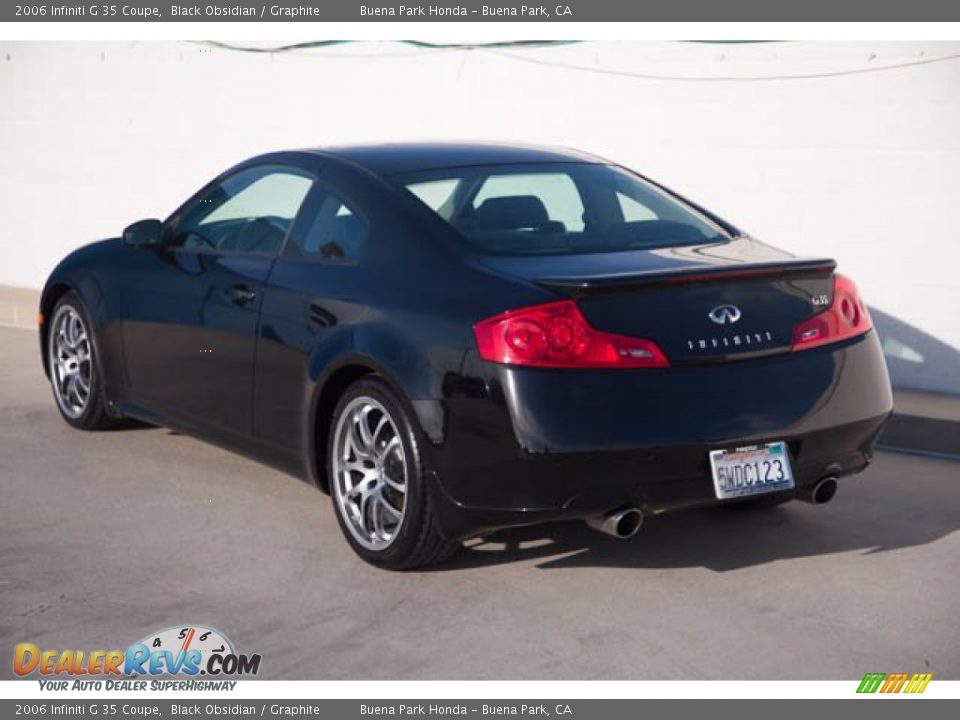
(918, 683)
(894, 683)
(871, 682)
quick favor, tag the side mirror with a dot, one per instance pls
(143, 232)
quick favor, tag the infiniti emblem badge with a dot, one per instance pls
(724, 314)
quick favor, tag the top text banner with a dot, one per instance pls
(490, 11)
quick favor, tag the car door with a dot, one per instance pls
(313, 300)
(192, 305)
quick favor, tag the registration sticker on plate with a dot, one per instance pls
(752, 470)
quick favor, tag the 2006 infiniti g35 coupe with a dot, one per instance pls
(454, 338)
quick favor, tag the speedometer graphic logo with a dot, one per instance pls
(189, 649)
(185, 638)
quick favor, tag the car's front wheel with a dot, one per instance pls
(72, 361)
(378, 481)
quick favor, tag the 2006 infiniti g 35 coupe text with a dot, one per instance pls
(455, 338)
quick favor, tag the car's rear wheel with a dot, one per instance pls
(378, 481)
(74, 372)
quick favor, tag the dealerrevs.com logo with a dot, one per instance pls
(185, 651)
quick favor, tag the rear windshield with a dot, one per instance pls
(558, 208)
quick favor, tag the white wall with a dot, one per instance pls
(863, 167)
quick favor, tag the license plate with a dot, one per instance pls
(752, 470)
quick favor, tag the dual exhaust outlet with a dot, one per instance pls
(626, 522)
(821, 493)
(622, 524)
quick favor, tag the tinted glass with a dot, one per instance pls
(335, 232)
(250, 211)
(436, 194)
(558, 208)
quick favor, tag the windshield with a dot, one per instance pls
(558, 208)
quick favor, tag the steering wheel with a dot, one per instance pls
(258, 234)
(193, 239)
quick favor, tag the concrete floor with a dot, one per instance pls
(105, 537)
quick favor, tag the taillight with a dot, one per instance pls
(557, 335)
(846, 317)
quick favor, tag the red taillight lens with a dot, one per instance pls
(846, 317)
(557, 335)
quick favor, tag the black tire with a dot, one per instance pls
(417, 541)
(93, 415)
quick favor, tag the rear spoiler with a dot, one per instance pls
(592, 285)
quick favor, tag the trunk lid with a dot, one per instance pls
(704, 303)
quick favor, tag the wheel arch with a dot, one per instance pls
(328, 391)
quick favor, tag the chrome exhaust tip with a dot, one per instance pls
(821, 493)
(622, 524)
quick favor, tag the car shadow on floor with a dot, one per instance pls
(872, 520)
(873, 512)
(129, 424)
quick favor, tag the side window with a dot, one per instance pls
(336, 231)
(249, 211)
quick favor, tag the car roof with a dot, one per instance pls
(395, 158)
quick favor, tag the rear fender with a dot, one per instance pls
(362, 351)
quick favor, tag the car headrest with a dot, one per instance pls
(510, 213)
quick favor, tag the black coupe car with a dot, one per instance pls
(453, 338)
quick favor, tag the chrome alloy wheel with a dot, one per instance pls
(369, 473)
(71, 361)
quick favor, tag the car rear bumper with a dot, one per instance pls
(533, 445)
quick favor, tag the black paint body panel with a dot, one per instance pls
(549, 444)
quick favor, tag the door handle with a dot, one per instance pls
(242, 295)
